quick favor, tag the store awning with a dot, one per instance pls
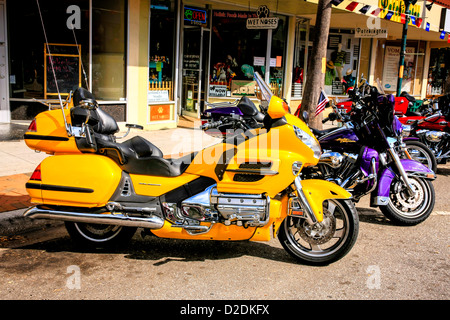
(444, 3)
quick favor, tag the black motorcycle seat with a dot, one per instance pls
(139, 156)
(247, 107)
(81, 94)
(319, 133)
(408, 97)
(100, 121)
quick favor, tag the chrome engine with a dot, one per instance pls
(248, 210)
(338, 167)
(343, 170)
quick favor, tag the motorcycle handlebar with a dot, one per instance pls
(211, 125)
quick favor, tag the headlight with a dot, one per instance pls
(309, 140)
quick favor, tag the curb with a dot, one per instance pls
(14, 223)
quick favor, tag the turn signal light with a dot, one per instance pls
(36, 174)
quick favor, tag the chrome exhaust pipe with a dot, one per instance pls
(151, 222)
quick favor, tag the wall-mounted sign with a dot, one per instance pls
(370, 33)
(263, 21)
(194, 16)
(160, 112)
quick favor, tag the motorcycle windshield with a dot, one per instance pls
(265, 91)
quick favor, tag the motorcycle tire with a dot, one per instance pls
(312, 246)
(409, 211)
(421, 153)
(99, 235)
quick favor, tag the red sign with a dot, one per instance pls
(160, 112)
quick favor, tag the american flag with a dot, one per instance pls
(323, 100)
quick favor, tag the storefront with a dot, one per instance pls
(152, 61)
(87, 40)
(439, 71)
(221, 54)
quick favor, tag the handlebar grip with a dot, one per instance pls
(211, 125)
(325, 119)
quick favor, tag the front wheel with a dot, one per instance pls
(325, 242)
(421, 153)
(99, 235)
(407, 210)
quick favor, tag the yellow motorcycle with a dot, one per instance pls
(248, 187)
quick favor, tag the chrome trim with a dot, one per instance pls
(332, 159)
(379, 201)
(310, 216)
(401, 170)
(151, 222)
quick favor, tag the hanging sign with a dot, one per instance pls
(370, 33)
(263, 21)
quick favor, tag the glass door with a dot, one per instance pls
(195, 56)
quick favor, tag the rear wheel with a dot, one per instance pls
(324, 242)
(99, 235)
(407, 210)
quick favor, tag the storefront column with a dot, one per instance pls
(426, 67)
(137, 66)
(373, 60)
(288, 74)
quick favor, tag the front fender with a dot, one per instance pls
(413, 169)
(317, 191)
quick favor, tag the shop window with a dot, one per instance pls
(236, 53)
(277, 53)
(27, 77)
(161, 51)
(439, 72)
(342, 62)
(108, 49)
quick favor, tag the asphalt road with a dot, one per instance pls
(388, 262)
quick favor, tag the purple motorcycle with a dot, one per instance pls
(363, 157)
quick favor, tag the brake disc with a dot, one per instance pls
(320, 232)
(405, 200)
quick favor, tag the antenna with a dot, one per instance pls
(81, 60)
(68, 129)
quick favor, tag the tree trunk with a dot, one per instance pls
(315, 76)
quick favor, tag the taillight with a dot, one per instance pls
(36, 174)
(33, 126)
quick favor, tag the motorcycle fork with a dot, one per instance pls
(310, 216)
(402, 171)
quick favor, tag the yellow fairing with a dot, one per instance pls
(156, 186)
(317, 191)
(277, 108)
(220, 231)
(51, 136)
(90, 182)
